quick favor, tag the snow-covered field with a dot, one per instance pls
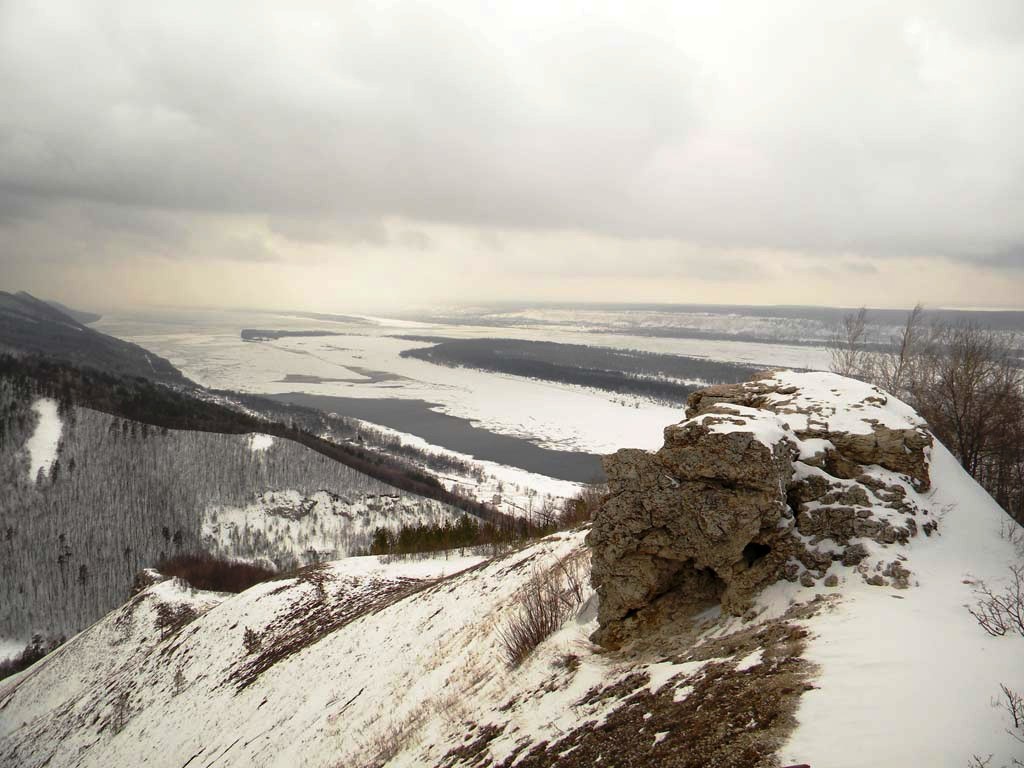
(42, 445)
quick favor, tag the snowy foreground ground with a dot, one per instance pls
(367, 662)
(908, 678)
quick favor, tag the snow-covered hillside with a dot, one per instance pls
(909, 674)
(87, 500)
(368, 662)
(283, 524)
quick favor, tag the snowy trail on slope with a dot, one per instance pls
(42, 446)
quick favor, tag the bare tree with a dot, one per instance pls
(848, 346)
(967, 386)
(966, 381)
(894, 369)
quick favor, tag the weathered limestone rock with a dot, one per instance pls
(755, 486)
(900, 450)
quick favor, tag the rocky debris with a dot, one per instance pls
(899, 575)
(778, 478)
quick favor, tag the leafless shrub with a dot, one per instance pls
(1014, 704)
(896, 368)
(569, 661)
(179, 681)
(543, 605)
(395, 737)
(171, 618)
(1013, 532)
(122, 712)
(573, 571)
(581, 508)
(220, 574)
(1001, 612)
(968, 387)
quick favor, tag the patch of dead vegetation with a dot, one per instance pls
(315, 615)
(473, 749)
(171, 618)
(716, 717)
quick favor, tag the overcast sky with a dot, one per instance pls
(341, 155)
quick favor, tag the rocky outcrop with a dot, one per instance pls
(789, 477)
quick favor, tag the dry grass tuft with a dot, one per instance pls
(549, 598)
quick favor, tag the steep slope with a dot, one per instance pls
(87, 500)
(911, 673)
(365, 662)
(31, 326)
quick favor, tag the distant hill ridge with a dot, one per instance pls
(77, 314)
(31, 326)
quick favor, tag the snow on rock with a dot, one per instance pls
(738, 498)
(911, 673)
(42, 445)
(750, 661)
(803, 485)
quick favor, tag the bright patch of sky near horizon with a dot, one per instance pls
(372, 155)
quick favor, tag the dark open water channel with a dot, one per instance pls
(415, 417)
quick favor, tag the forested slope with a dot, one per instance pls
(145, 401)
(123, 495)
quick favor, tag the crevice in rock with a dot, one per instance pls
(754, 553)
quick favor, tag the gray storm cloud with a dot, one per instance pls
(839, 131)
